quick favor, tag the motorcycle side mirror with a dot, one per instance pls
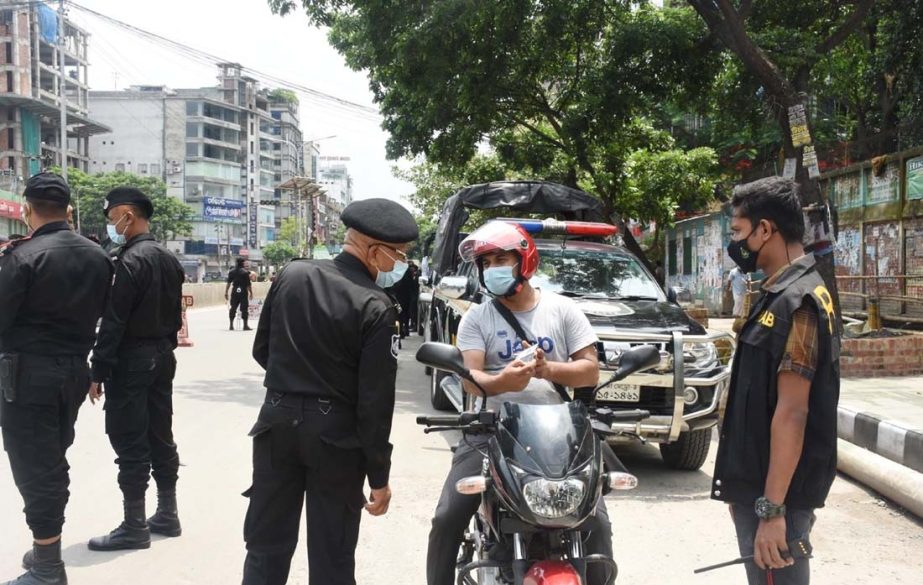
(637, 359)
(443, 356)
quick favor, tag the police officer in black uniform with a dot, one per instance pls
(133, 359)
(54, 285)
(328, 340)
(241, 288)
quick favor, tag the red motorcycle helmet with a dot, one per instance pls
(499, 236)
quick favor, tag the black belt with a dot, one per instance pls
(306, 402)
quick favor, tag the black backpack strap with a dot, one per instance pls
(513, 322)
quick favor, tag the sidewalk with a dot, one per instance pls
(882, 415)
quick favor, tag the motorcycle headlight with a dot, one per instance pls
(700, 355)
(554, 498)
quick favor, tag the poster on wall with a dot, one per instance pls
(847, 191)
(217, 208)
(252, 224)
(915, 178)
(883, 188)
(798, 123)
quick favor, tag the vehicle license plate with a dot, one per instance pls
(620, 393)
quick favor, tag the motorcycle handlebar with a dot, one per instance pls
(440, 421)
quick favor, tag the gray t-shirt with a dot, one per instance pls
(555, 324)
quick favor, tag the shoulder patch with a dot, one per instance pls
(767, 319)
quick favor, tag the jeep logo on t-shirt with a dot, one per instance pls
(546, 344)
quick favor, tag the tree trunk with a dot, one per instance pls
(723, 20)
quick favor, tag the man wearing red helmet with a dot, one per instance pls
(565, 354)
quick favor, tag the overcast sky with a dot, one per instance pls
(244, 31)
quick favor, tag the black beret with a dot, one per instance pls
(128, 196)
(48, 187)
(382, 219)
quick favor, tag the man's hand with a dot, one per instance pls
(95, 392)
(543, 368)
(378, 501)
(770, 544)
(516, 375)
(225, 295)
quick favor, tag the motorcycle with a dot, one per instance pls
(544, 470)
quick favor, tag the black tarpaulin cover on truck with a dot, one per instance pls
(539, 197)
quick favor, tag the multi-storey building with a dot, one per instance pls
(215, 147)
(33, 80)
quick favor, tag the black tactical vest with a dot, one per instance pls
(743, 451)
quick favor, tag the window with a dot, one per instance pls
(687, 255)
(155, 169)
(11, 162)
(192, 150)
(120, 167)
(11, 115)
(192, 130)
(671, 257)
(11, 139)
(9, 81)
(192, 109)
(9, 53)
(142, 169)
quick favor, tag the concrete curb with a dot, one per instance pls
(892, 480)
(884, 438)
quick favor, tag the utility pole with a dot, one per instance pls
(62, 97)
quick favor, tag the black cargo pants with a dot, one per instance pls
(305, 453)
(240, 301)
(38, 428)
(139, 418)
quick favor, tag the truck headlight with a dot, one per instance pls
(701, 355)
(554, 498)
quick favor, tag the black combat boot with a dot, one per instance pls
(246, 327)
(132, 533)
(165, 520)
(45, 566)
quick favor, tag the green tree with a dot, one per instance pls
(556, 88)
(278, 253)
(172, 218)
(288, 231)
(779, 44)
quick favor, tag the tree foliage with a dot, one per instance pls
(172, 218)
(288, 231)
(857, 65)
(556, 88)
(278, 253)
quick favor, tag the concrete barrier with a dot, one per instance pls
(211, 294)
(892, 480)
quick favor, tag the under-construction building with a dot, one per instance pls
(32, 82)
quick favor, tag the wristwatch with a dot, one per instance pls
(766, 509)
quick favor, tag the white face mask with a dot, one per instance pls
(386, 279)
(114, 235)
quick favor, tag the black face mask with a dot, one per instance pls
(742, 255)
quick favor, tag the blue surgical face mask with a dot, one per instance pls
(500, 280)
(114, 235)
(386, 279)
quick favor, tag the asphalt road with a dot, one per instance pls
(662, 530)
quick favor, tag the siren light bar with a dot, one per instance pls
(570, 228)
